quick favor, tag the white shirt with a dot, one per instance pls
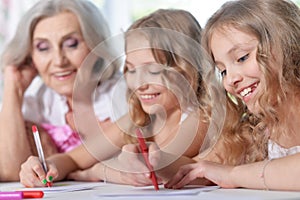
(277, 151)
(43, 105)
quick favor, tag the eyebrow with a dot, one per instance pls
(144, 63)
(63, 37)
(234, 48)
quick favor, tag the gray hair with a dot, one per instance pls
(93, 26)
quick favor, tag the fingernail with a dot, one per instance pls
(44, 181)
(50, 178)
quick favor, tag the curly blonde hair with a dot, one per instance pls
(276, 26)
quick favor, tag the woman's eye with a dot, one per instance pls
(244, 58)
(71, 43)
(42, 46)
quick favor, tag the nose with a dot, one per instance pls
(136, 81)
(140, 80)
(233, 77)
(59, 58)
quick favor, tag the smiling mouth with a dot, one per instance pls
(63, 74)
(249, 90)
(149, 96)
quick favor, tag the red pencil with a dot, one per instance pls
(144, 149)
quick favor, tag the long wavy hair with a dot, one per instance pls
(183, 54)
(276, 26)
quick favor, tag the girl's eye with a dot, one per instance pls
(155, 69)
(155, 72)
(244, 58)
(71, 43)
(223, 73)
(42, 46)
(131, 71)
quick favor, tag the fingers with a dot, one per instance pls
(135, 179)
(154, 154)
(52, 172)
(184, 176)
(32, 173)
(131, 159)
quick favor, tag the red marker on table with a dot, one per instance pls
(21, 195)
(144, 149)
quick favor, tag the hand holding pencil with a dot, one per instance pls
(40, 152)
(144, 150)
(35, 172)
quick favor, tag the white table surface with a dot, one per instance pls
(223, 194)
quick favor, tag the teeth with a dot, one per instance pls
(148, 96)
(247, 91)
(63, 73)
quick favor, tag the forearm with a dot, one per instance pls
(279, 174)
(14, 145)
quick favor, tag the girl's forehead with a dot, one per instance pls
(136, 41)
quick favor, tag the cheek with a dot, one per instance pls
(77, 58)
(130, 81)
(40, 62)
(225, 85)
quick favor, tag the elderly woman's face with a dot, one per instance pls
(58, 51)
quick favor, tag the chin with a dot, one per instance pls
(254, 109)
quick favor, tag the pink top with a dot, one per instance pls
(64, 137)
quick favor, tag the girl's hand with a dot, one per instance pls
(217, 173)
(133, 169)
(32, 173)
(19, 78)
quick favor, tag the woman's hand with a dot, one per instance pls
(19, 78)
(32, 173)
(217, 173)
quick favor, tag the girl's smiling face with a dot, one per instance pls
(145, 77)
(234, 54)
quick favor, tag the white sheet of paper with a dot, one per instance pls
(65, 186)
(150, 191)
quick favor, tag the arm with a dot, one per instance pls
(97, 147)
(278, 174)
(185, 140)
(14, 145)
